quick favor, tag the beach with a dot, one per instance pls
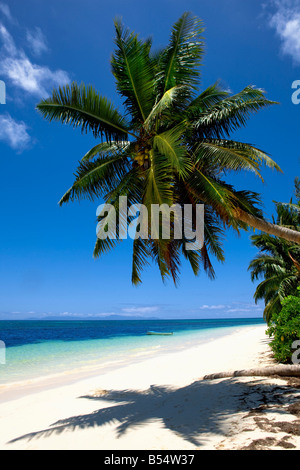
(159, 403)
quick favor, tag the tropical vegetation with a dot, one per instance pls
(285, 330)
(278, 264)
(278, 261)
(172, 145)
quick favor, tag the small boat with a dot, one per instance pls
(158, 333)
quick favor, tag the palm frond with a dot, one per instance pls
(288, 215)
(213, 193)
(182, 58)
(232, 155)
(106, 148)
(266, 266)
(203, 103)
(213, 235)
(207, 264)
(157, 253)
(193, 257)
(134, 72)
(170, 97)
(227, 115)
(104, 246)
(94, 179)
(140, 260)
(158, 187)
(81, 106)
(277, 264)
(170, 144)
(272, 307)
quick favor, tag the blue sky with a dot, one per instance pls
(46, 263)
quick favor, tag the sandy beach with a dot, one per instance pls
(160, 403)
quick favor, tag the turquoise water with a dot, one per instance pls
(43, 348)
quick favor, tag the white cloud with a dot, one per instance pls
(232, 310)
(4, 9)
(140, 309)
(34, 79)
(212, 307)
(236, 307)
(285, 19)
(14, 133)
(21, 73)
(37, 41)
(16, 67)
(8, 42)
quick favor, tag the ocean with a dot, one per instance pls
(35, 349)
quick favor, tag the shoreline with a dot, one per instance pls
(157, 403)
(19, 388)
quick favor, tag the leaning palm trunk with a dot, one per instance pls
(271, 229)
(276, 370)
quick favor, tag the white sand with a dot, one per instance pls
(158, 404)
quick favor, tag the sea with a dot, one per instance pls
(33, 349)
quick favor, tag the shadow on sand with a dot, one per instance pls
(189, 412)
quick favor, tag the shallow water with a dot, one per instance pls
(44, 348)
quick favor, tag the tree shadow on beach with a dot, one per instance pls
(189, 412)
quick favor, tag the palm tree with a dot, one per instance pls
(278, 261)
(278, 266)
(172, 145)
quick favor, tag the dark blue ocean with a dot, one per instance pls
(43, 348)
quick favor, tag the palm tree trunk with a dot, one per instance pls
(267, 227)
(276, 370)
(295, 262)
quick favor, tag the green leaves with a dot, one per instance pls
(213, 193)
(95, 179)
(208, 98)
(106, 148)
(81, 106)
(277, 264)
(171, 146)
(134, 73)
(232, 155)
(226, 115)
(285, 328)
(158, 181)
(164, 104)
(181, 59)
(139, 260)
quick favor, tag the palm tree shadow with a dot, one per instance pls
(189, 412)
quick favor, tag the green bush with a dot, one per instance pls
(285, 329)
